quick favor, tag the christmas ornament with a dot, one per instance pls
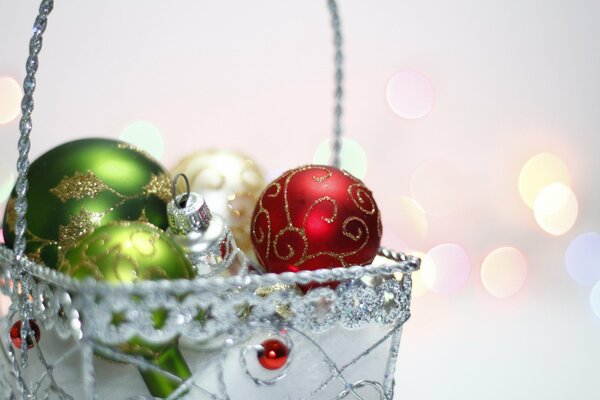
(81, 185)
(204, 237)
(315, 217)
(127, 252)
(230, 182)
(15, 334)
(273, 354)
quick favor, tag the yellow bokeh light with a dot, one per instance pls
(10, 99)
(539, 172)
(146, 136)
(503, 271)
(556, 209)
(408, 219)
(353, 156)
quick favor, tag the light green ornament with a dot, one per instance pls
(127, 252)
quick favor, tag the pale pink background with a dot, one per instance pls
(511, 79)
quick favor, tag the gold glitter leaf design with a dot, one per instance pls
(143, 217)
(79, 226)
(34, 241)
(79, 186)
(137, 149)
(160, 186)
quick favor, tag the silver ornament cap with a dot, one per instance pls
(187, 212)
(207, 241)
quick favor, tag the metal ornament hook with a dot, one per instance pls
(174, 190)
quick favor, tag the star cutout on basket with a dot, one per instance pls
(204, 315)
(118, 319)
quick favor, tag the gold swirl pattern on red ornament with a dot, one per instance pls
(329, 220)
(291, 252)
(360, 195)
(354, 227)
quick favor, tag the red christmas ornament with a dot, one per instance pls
(273, 354)
(315, 217)
(15, 334)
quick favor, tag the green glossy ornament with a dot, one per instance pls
(81, 185)
(127, 252)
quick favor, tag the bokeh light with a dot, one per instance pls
(582, 259)
(353, 156)
(146, 136)
(407, 218)
(556, 209)
(410, 94)
(437, 187)
(446, 268)
(595, 299)
(540, 172)
(10, 99)
(503, 271)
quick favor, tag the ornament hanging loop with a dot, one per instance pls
(182, 203)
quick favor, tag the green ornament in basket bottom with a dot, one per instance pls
(81, 185)
(125, 252)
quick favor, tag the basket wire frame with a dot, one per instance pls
(58, 302)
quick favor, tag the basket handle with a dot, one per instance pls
(25, 126)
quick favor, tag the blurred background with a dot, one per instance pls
(474, 124)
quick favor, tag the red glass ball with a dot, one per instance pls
(15, 334)
(315, 217)
(273, 354)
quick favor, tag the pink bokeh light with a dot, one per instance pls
(446, 269)
(410, 94)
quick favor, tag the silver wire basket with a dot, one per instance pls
(343, 342)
